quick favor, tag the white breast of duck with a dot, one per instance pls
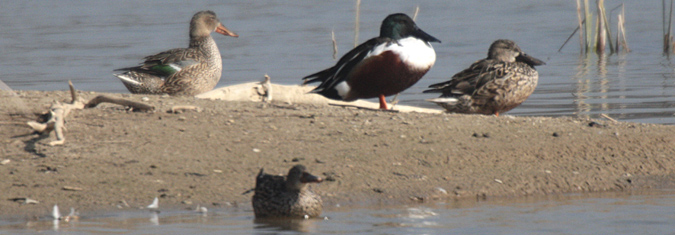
(414, 52)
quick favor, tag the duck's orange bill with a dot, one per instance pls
(224, 31)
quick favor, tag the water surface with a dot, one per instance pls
(44, 44)
(570, 214)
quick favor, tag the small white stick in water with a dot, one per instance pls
(201, 209)
(72, 216)
(154, 205)
(56, 213)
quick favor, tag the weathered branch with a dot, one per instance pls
(73, 92)
(265, 89)
(183, 108)
(59, 111)
(106, 99)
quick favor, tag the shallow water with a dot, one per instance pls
(44, 44)
(571, 214)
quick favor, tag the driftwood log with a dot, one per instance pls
(292, 94)
(58, 112)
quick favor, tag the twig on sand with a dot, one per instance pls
(608, 117)
(59, 111)
(359, 107)
(10, 123)
(183, 108)
(106, 99)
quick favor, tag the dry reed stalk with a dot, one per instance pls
(570, 37)
(603, 34)
(581, 22)
(663, 17)
(663, 26)
(417, 11)
(621, 31)
(588, 42)
(356, 23)
(587, 27)
(600, 33)
(335, 49)
(619, 21)
(670, 29)
(668, 32)
(605, 19)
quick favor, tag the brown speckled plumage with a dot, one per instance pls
(279, 196)
(494, 85)
(182, 71)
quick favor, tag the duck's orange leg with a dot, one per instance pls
(383, 102)
(497, 114)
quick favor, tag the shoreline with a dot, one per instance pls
(211, 157)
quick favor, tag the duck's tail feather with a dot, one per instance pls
(317, 77)
(125, 78)
(444, 100)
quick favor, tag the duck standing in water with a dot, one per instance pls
(382, 66)
(182, 71)
(494, 85)
(279, 196)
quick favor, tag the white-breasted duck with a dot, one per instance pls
(382, 66)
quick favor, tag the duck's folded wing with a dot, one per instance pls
(166, 63)
(468, 81)
(333, 75)
(491, 80)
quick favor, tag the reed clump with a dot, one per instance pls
(595, 34)
(668, 46)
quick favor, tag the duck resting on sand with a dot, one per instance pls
(382, 66)
(494, 85)
(182, 71)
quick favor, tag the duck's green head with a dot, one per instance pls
(399, 25)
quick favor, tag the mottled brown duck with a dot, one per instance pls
(182, 71)
(286, 196)
(494, 85)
